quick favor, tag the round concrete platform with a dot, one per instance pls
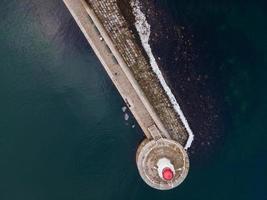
(150, 156)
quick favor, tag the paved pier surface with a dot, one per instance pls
(115, 46)
(116, 67)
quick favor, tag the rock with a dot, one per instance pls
(126, 117)
(124, 108)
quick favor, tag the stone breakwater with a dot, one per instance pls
(184, 58)
(144, 30)
(126, 43)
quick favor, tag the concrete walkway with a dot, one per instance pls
(117, 69)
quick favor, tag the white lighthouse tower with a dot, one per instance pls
(166, 170)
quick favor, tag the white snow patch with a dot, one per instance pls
(143, 28)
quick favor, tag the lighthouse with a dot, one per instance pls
(163, 164)
(165, 169)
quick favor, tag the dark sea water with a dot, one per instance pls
(62, 130)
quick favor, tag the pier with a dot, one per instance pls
(161, 159)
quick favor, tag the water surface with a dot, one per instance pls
(62, 130)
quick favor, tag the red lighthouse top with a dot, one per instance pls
(167, 174)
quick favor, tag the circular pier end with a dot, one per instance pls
(163, 164)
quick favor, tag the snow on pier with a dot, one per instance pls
(143, 28)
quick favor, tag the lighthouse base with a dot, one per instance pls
(151, 152)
